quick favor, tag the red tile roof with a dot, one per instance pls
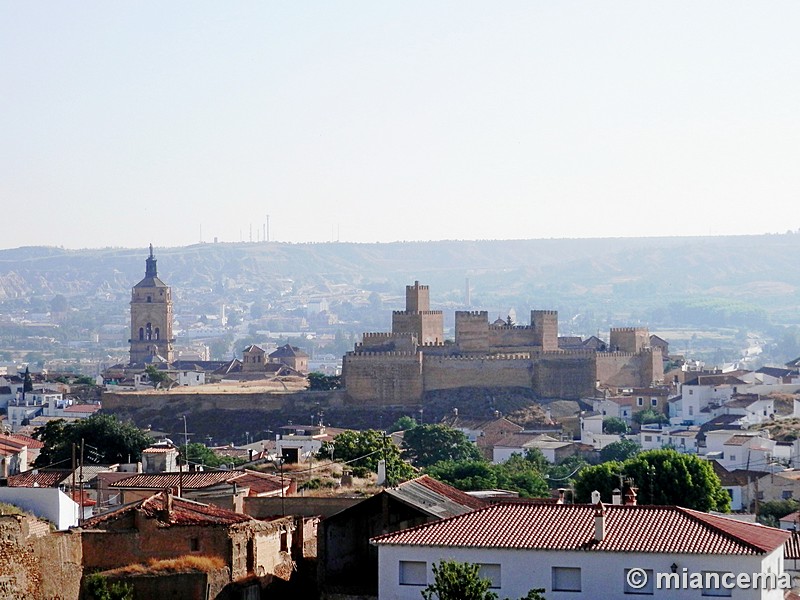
(189, 480)
(447, 491)
(260, 484)
(31, 443)
(184, 512)
(39, 478)
(668, 529)
(792, 548)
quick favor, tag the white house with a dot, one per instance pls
(585, 551)
(682, 439)
(740, 449)
(44, 502)
(553, 450)
(702, 395)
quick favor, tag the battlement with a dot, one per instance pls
(490, 357)
(463, 314)
(545, 312)
(416, 312)
(384, 335)
(629, 329)
(511, 327)
(380, 355)
(432, 345)
(417, 286)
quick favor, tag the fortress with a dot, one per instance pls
(397, 368)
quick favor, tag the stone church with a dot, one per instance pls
(151, 318)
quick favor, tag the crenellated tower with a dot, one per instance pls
(418, 318)
(151, 317)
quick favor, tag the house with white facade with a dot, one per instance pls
(703, 394)
(752, 408)
(587, 551)
(554, 450)
(682, 439)
(592, 431)
(740, 449)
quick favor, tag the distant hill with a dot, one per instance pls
(619, 281)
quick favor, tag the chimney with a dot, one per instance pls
(561, 494)
(595, 497)
(616, 497)
(630, 495)
(599, 522)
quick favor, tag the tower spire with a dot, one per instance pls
(151, 270)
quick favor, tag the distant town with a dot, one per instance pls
(268, 448)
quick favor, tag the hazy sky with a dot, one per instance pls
(125, 123)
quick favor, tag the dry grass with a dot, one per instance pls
(181, 564)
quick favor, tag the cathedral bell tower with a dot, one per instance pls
(151, 317)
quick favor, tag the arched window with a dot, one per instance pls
(157, 333)
(149, 331)
(141, 333)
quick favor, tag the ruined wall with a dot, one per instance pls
(472, 331)
(629, 339)
(310, 506)
(383, 378)
(189, 586)
(442, 373)
(624, 369)
(567, 375)
(35, 563)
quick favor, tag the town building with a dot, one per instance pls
(584, 551)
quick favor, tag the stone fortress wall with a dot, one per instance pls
(397, 368)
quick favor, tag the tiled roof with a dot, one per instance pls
(792, 547)
(667, 529)
(260, 483)
(714, 380)
(40, 478)
(188, 480)
(82, 408)
(434, 497)
(739, 440)
(287, 351)
(184, 512)
(159, 449)
(31, 443)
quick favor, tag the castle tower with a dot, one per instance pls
(418, 318)
(545, 325)
(151, 317)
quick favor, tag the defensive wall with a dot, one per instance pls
(629, 369)
(441, 372)
(383, 378)
(545, 323)
(427, 325)
(565, 375)
(387, 342)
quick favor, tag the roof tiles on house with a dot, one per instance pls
(662, 529)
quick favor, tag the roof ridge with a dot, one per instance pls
(708, 521)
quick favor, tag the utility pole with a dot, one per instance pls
(80, 478)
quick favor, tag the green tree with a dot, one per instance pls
(621, 450)
(402, 424)
(156, 376)
(663, 477)
(771, 512)
(100, 589)
(520, 474)
(363, 449)
(425, 445)
(467, 475)
(322, 382)
(648, 416)
(458, 581)
(614, 425)
(200, 454)
(107, 441)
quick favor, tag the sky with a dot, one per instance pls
(172, 123)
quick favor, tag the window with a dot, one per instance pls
(284, 541)
(691, 392)
(786, 494)
(691, 410)
(566, 579)
(648, 438)
(640, 401)
(194, 544)
(490, 572)
(653, 401)
(413, 572)
(149, 298)
(646, 590)
(714, 581)
(732, 457)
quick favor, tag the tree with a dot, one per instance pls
(772, 511)
(156, 376)
(27, 382)
(402, 424)
(322, 382)
(458, 581)
(520, 474)
(621, 450)
(425, 445)
(662, 476)
(648, 416)
(614, 425)
(200, 454)
(107, 440)
(467, 475)
(363, 450)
